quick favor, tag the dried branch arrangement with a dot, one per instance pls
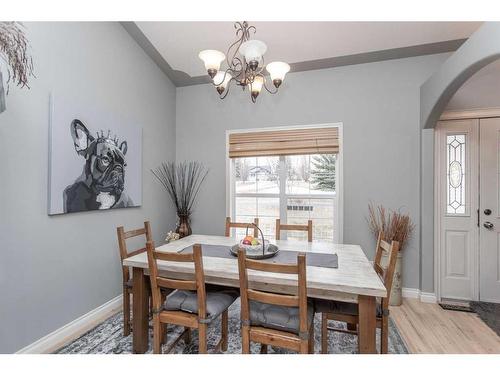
(15, 51)
(396, 226)
(182, 182)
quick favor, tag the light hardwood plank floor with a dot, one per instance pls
(427, 328)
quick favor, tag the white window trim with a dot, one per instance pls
(339, 219)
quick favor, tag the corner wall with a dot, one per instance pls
(55, 269)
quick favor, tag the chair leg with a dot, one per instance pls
(163, 333)
(126, 312)
(384, 335)
(187, 337)
(324, 333)
(224, 331)
(304, 346)
(157, 330)
(245, 340)
(202, 334)
(311, 339)
(263, 349)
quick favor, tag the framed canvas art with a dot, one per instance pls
(95, 159)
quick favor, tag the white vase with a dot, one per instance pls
(2, 94)
(396, 298)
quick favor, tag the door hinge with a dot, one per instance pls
(478, 217)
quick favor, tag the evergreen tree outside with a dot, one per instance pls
(323, 173)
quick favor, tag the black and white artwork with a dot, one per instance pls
(95, 162)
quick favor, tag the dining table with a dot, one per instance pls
(352, 279)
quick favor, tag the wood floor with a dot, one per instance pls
(427, 328)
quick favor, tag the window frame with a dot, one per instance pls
(282, 195)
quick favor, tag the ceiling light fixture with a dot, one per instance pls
(245, 61)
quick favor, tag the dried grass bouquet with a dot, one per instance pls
(15, 51)
(395, 225)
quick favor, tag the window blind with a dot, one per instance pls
(284, 142)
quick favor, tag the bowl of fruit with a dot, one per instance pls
(256, 248)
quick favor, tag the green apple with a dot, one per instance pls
(255, 242)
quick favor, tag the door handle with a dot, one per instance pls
(488, 225)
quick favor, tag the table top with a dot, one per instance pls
(354, 276)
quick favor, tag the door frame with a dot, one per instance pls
(481, 113)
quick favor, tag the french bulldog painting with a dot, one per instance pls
(102, 182)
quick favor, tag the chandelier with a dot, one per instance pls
(245, 65)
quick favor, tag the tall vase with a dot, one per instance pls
(184, 226)
(396, 297)
(2, 94)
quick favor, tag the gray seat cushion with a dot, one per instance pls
(187, 301)
(278, 317)
(336, 307)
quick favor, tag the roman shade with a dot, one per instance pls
(284, 142)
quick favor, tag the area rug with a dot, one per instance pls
(489, 313)
(107, 338)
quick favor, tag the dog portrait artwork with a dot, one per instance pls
(102, 182)
(94, 169)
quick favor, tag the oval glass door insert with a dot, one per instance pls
(455, 174)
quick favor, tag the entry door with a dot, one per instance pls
(457, 203)
(489, 229)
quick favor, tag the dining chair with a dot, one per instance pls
(306, 228)
(123, 236)
(232, 224)
(275, 319)
(348, 312)
(190, 305)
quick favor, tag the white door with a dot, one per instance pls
(457, 205)
(489, 229)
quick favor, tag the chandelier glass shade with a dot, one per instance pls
(245, 65)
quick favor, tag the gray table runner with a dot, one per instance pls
(283, 256)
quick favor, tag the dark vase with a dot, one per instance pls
(183, 226)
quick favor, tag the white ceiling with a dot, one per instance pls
(293, 42)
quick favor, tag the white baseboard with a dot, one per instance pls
(411, 293)
(428, 297)
(422, 296)
(60, 336)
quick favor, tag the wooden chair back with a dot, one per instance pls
(386, 273)
(158, 282)
(298, 300)
(307, 228)
(123, 236)
(232, 224)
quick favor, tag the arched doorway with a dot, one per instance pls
(466, 175)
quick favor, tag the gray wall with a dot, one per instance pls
(55, 269)
(378, 104)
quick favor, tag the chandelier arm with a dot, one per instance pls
(265, 86)
(224, 78)
(241, 28)
(224, 94)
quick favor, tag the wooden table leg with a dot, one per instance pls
(367, 324)
(140, 311)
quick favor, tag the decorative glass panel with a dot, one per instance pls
(455, 172)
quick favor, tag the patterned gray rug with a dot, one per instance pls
(107, 338)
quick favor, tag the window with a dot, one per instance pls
(293, 188)
(455, 174)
